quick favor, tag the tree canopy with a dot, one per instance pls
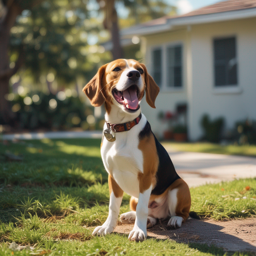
(58, 41)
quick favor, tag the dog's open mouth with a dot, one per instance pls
(128, 98)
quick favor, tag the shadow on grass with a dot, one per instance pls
(54, 175)
(69, 162)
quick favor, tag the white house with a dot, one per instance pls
(205, 59)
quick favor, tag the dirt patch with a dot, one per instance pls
(68, 236)
(234, 235)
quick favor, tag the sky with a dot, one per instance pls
(185, 6)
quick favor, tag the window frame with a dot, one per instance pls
(164, 74)
(169, 45)
(158, 47)
(231, 88)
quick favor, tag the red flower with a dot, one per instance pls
(169, 115)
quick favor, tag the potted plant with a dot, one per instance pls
(167, 117)
(180, 133)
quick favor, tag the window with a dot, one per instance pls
(225, 62)
(157, 66)
(174, 62)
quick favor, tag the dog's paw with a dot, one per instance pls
(151, 222)
(137, 234)
(102, 230)
(174, 222)
(128, 217)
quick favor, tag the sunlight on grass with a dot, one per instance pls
(245, 150)
(78, 150)
(226, 200)
(59, 193)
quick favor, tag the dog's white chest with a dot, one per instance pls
(124, 160)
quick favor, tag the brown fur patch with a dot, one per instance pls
(150, 162)
(113, 186)
(183, 199)
(133, 203)
(154, 197)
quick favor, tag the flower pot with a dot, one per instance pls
(180, 137)
(168, 135)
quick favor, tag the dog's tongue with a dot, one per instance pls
(130, 98)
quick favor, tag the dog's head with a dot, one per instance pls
(122, 83)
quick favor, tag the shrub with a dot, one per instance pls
(180, 128)
(39, 110)
(212, 129)
(246, 132)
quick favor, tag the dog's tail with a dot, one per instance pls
(194, 215)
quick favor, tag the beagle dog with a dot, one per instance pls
(134, 159)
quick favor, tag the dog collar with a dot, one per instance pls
(125, 126)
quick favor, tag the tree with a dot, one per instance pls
(139, 11)
(56, 41)
(111, 23)
(52, 40)
(9, 10)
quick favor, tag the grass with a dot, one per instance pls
(226, 200)
(242, 150)
(53, 198)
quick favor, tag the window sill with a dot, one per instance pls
(228, 90)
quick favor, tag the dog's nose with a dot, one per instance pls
(134, 75)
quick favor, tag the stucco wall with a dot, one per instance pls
(167, 98)
(232, 105)
(198, 76)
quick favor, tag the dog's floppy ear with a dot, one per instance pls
(93, 89)
(152, 88)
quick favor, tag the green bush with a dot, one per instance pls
(246, 132)
(48, 111)
(180, 128)
(212, 129)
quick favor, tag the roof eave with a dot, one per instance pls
(147, 30)
(192, 20)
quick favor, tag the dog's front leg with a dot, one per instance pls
(116, 195)
(139, 232)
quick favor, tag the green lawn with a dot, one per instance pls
(243, 150)
(59, 191)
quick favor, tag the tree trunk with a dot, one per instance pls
(5, 72)
(117, 50)
(111, 23)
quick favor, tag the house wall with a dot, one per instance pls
(233, 104)
(168, 98)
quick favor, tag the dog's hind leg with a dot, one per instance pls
(129, 217)
(179, 202)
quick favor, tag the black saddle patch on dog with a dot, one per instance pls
(166, 173)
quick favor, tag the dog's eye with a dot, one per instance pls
(140, 70)
(117, 69)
